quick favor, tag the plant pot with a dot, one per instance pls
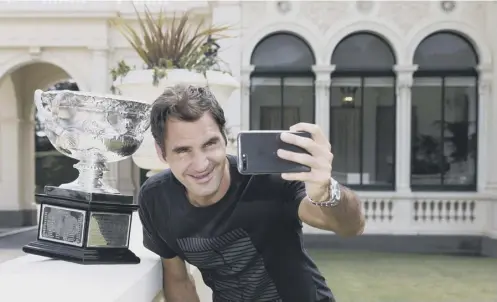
(138, 84)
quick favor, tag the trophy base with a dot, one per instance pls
(88, 196)
(81, 255)
(84, 228)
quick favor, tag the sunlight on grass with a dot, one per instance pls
(381, 277)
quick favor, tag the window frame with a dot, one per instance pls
(289, 67)
(363, 74)
(282, 73)
(442, 74)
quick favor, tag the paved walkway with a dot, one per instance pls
(11, 245)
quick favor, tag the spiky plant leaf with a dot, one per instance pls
(181, 43)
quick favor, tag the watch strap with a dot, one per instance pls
(335, 195)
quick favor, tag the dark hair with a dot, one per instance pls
(185, 103)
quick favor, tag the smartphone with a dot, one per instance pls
(257, 153)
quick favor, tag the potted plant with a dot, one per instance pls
(176, 50)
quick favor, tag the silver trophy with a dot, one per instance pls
(93, 129)
(88, 221)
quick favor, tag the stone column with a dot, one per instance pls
(100, 74)
(12, 207)
(229, 14)
(246, 71)
(120, 174)
(16, 188)
(27, 165)
(403, 127)
(487, 132)
(403, 208)
(322, 93)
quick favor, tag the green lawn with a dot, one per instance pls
(381, 277)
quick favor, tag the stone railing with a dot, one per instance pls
(428, 214)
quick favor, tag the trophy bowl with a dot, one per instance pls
(94, 129)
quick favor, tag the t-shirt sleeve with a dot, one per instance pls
(294, 193)
(151, 239)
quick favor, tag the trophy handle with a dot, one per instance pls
(46, 116)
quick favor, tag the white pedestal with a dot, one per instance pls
(34, 278)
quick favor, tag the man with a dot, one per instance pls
(244, 233)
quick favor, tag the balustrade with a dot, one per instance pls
(450, 215)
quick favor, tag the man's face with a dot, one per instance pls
(196, 154)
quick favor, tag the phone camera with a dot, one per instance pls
(244, 162)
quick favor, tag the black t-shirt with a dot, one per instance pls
(248, 246)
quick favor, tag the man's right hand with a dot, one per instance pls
(178, 284)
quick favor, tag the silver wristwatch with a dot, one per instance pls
(335, 195)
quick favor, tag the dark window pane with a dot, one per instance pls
(362, 130)
(427, 164)
(265, 92)
(52, 168)
(378, 147)
(445, 51)
(443, 132)
(282, 50)
(460, 130)
(363, 51)
(298, 100)
(345, 129)
(278, 103)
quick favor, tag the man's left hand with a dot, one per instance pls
(317, 181)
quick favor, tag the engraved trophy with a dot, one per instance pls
(87, 221)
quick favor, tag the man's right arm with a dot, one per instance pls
(178, 284)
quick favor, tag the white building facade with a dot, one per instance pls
(402, 89)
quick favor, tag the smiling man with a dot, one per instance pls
(244, 233)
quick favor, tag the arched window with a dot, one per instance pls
(282, 84)
(444, 114)
(362, 112)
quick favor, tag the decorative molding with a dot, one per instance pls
(399, 69)
(323, 78)
(485, 70)
(323, 82)
(35, 52)
(93, 9)
(404, 76)
(323, 69)
(484, 88)
(486, 77)
(99, 48)
(246, 71)
(365, 7)
(448, 6)
(284, 7)
(75, 66)
(383, 28)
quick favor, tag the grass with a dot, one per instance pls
(381, 277)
